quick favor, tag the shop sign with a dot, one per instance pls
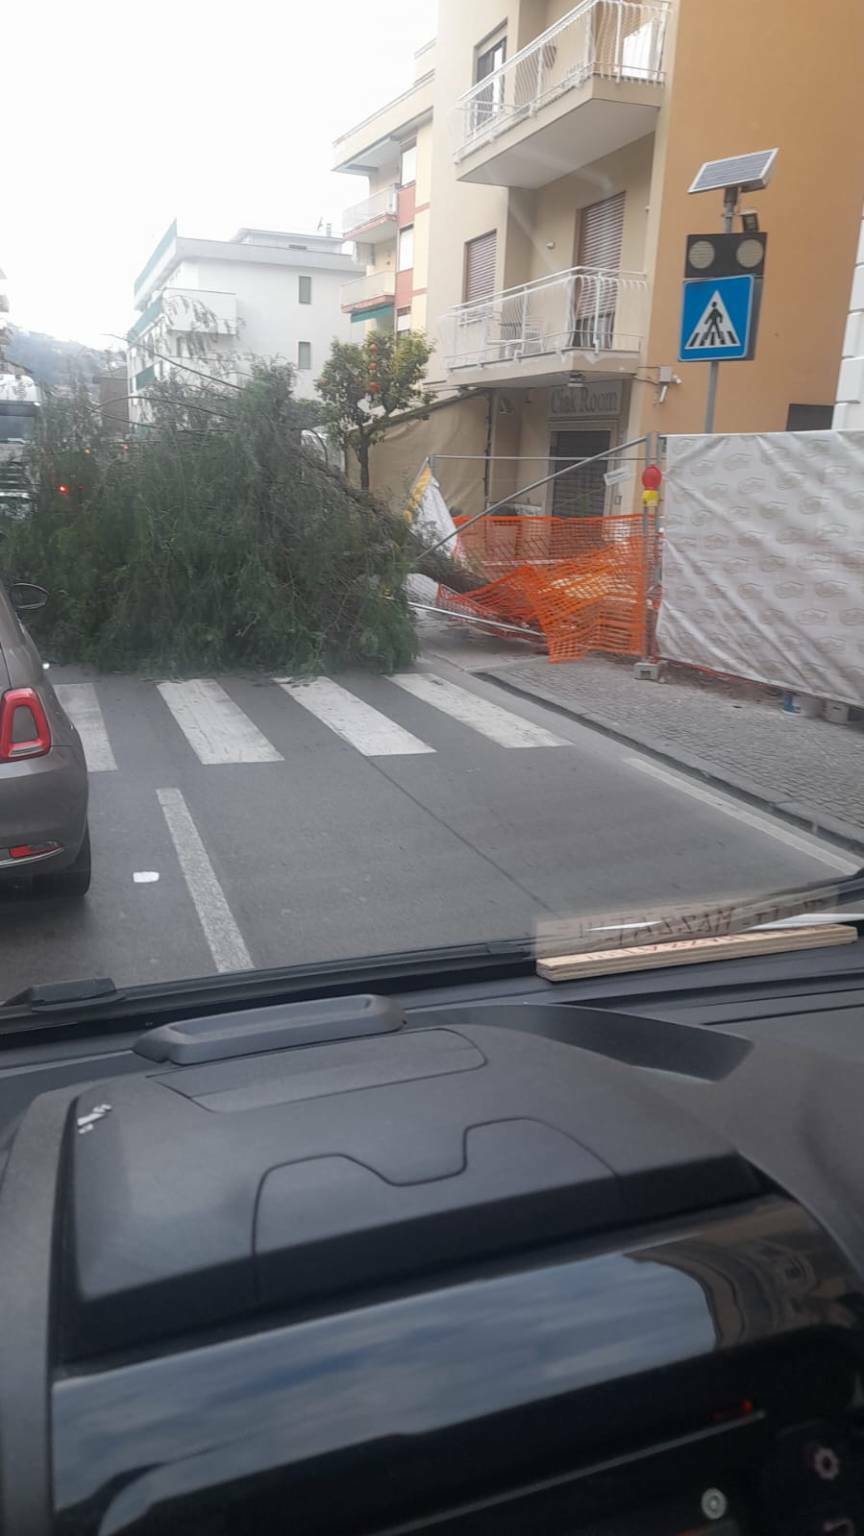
(598, 397)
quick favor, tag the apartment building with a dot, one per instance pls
(215, 304)
(392, 149)
(563, 142)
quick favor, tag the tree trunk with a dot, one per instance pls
(363, 461)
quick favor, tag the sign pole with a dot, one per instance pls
(730, 201)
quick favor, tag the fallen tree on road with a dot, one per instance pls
(212, 539)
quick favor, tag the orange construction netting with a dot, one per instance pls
(578, 581)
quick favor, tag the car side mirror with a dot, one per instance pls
(25, 596)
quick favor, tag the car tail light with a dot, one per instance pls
(24, 728)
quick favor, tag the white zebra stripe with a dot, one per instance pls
(500, 725)
(353, 719)
(82, 706)
(216, 728)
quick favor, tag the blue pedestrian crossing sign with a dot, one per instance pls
(716, 319)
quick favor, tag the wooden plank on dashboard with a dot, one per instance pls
(728, 946)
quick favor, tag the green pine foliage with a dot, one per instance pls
(212, 539)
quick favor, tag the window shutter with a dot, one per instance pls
(600, 230)
(480, 267)
(601, 227)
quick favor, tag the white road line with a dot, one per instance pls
(82, 706)
(500, 725)
(801, 841)
(353, 719)
(215, 727)
(220, 930)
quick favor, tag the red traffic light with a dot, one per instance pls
(652, 477)
(63, 489)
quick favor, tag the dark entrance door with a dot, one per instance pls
(582, 493)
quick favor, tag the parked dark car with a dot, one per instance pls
(44, 837)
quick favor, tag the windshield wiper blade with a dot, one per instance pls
(97, 1004)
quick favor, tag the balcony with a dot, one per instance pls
(200, 309)
(377, 141)
(573, 319)
(189, 309)
(374, 219)
(586, 86)
(366, 298)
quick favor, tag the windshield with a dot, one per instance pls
(439, 432)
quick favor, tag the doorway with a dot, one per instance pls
(582, 493)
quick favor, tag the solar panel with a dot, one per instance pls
(748, 172)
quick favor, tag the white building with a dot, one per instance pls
(214, 304)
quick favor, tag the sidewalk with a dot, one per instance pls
(808, 770)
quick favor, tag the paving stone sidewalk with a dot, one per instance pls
(809, 770)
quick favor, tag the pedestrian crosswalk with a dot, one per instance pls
(219, 731)
(354, 720)
(500, 725)
(82, 706)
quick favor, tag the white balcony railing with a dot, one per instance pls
(381, 205)
(615, 39)
(364, 291)
(587, 309)
(200, 309)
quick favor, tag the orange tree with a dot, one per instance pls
(365, 386)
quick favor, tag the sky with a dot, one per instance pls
(119, 117)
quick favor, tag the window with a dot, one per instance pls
(406, 248)
(489, 57)
(304, 290)
(304, 355)
(601, 227)
(487, 103)
(480, 266)
(403, 320)
(408, 167)
(809, 418)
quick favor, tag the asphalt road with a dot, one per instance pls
(237, 823)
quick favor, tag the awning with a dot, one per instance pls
(377, 313)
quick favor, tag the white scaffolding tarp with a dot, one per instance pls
(763, 559)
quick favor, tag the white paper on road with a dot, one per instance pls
(500, 725)
(363, 727)
(214, 914)
(215, 727)
(763, 559)
(82, 706)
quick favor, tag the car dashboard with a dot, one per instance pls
(486, 1257)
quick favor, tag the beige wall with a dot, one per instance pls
(457, 429)
(555, 210)
(425, 139)
(422, 226)
(796, 83)
(460, 211)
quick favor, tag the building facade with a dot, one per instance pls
(392, 149)
(215, 304)
(563, 142)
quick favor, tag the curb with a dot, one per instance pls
(811, 818)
